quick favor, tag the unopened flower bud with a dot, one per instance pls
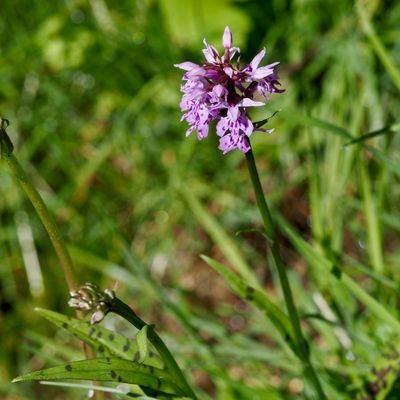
(90, 298)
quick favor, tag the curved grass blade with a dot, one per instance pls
(377, 44)
(258, 298)
(378, 132)
(102, 340)
(306, 120)
(109, 369)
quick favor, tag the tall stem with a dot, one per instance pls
(123, 310)
(48, 222)
(46, 218)
(302, 345)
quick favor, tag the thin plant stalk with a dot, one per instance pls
(46, 218)
(302, 345)
(119, 307)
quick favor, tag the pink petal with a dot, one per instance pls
(227, 38)
(222, 126)
(233, 113)
(210, 53)
(228, 71)
(187, 66)
(263, 72)
(233, 51)
(250, 103)
(249, 128)
(257, 59)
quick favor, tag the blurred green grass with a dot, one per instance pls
(92, 96)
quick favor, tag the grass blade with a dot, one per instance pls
(323, 265)
(257, 297)
(377, 45)
(372, 219)
(219, 236)
(386, 129)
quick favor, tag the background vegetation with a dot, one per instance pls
(92, 96)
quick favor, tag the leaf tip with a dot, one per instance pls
(204, 258)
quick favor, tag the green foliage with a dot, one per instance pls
(106, 342)
(381, 382)
(256, 297)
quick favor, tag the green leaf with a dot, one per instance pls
(6, 146)
(184, 21)
(109, 369)
(257, 297)
(102, 340)
(141, 339)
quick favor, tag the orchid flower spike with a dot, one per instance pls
(220, 90)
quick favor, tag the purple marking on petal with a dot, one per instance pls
(189, 131)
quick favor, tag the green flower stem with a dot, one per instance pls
(46, 218)
(52, 230)
(123, 310)
(302, 345)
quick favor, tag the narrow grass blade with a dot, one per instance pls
(377, 44)
(257, 297)
(111, 369)
(323, 266)
(372, 220)
(386, 129)
(306, 120)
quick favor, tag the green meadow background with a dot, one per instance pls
(93, 98)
